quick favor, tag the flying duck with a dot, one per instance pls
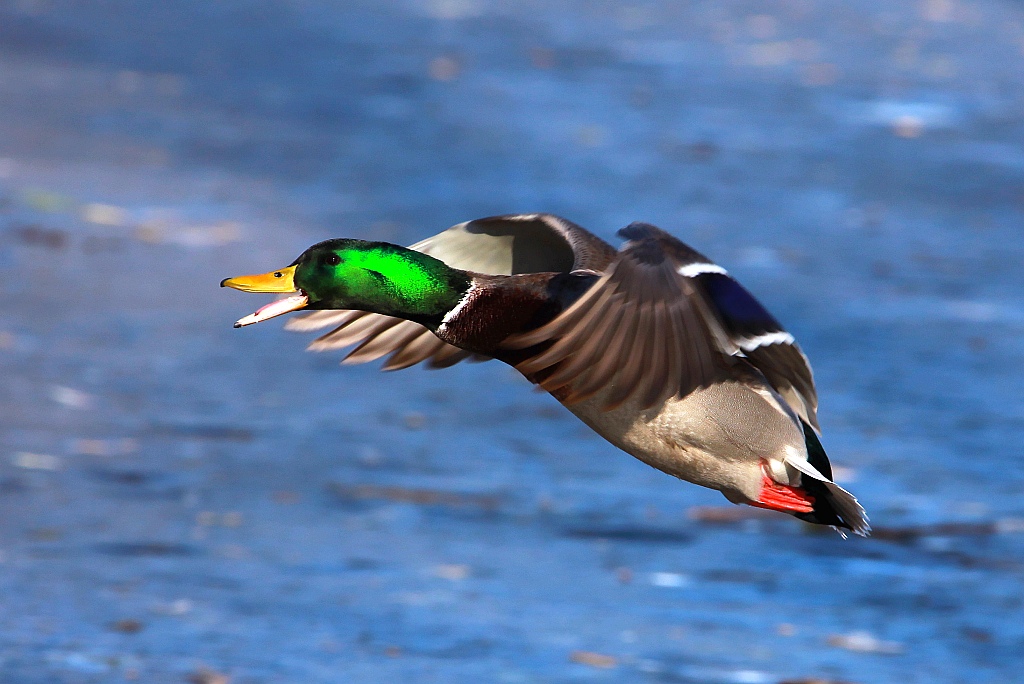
(654, 346)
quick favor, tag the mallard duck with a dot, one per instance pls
(654, 346)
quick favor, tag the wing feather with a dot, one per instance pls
(355, 329)
(643, 329)
(449, 356)
(384, 342)
(591, 380)
(660, 359)
(419, 349)
(631, 377)
(786, 368)
(660, 321)
(308, 321)
(597, 319)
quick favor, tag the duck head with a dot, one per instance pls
(354, 274)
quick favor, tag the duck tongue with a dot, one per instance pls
(276, 308)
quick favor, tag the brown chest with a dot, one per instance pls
(487, 315)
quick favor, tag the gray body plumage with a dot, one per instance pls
(716, 436)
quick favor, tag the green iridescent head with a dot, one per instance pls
(354, 274)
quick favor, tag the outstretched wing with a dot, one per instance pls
(661, 321)
(376, 336)
(644, 328)
(498, 245)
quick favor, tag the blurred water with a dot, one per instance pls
(183, 500)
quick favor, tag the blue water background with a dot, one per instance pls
(184, 501)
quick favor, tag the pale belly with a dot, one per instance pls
(716, 437)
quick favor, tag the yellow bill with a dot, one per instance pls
(282, 280)
(275, 281)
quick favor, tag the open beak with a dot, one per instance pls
(282, 280)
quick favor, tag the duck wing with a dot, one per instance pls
(497, 245)
(519, 243)
(765, 343)
(661, 321)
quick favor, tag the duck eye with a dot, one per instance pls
(333, 260)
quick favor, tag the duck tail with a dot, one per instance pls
(833, 505)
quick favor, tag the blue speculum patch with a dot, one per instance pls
(740, 311)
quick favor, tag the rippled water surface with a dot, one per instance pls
(181, 501)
